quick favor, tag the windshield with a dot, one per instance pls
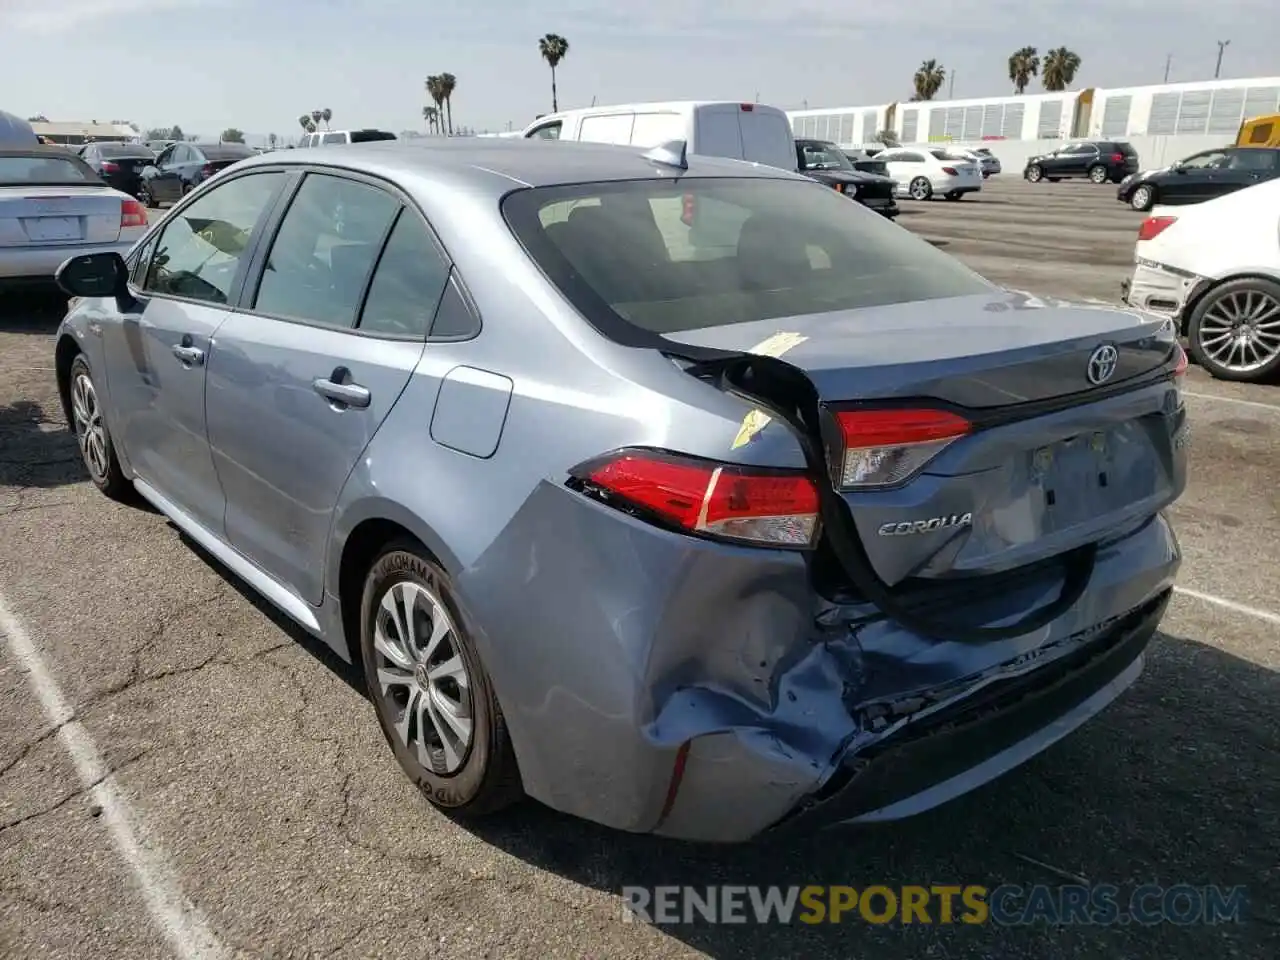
(823, 156)
(663, 256)
(44, 170)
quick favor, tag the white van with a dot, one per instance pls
(739, 131)
(325, 138)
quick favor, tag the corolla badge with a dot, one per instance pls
(908, 527)
(1102, 364)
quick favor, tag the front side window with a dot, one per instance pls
(823, 156)
(1209, 160)
(548, 131)
(200, 250)
(324, 251)
(407, 283)
(666, 256)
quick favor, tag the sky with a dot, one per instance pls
(255, 65)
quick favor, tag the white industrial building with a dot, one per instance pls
(1163, 122)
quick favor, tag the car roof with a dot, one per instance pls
(498, 165)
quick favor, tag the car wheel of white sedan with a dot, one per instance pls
(434, 700)
(920, 189)
(1234, 331)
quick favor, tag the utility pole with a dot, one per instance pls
(951, 86)
(1168, 61)
(1222, 45)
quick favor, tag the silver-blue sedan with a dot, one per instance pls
(677, 493)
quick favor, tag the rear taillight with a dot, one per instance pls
(886, 447)
(132, 214)
(109, 167)
(949, 171)
(208, 170)
(747, 107)
(686, 210)
(1152, 227)
(1117, 158)
(751, 505)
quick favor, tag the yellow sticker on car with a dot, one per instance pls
(757, 420)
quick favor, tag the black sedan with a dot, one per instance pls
(826, 163)
(119, 164)
(1201, 176)
(182, 167)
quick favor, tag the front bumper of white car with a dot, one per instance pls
(1158, 288)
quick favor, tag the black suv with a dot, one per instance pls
(826, 163)
(1201, 176)
(1099, 160)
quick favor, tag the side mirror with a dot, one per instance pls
(96, 275)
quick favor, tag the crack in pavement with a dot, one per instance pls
(63, 801)
(30, 745)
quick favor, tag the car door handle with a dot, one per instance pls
(189, 355)
(347, 394)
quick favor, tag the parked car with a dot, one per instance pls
(987, 161)
(1201, 176)
(53, 206)
(1099, 160)
(866, 162)
(16, 132)
(1214, 268)
(120, 165)
(823, 161)
(329, 138)
(739, 131)
(800, 523)
(923, 173)
(184, 166)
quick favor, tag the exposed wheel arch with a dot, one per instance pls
(360, 549)
(64, 355)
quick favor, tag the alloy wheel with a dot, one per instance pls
(1098, 175)
(1141, 199)
(920, 189)
(1240, 331)
(1034, 174)
(91, 433)
(422, 676)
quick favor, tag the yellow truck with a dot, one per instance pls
(1260, 132)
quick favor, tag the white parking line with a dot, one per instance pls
(1257, 613)
(1274, 408)
(180, 922)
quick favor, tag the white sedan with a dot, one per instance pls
(926, 172)
(1214, 268)
(53, 207)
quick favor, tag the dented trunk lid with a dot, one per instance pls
(1054, 461)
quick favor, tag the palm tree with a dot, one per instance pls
(447, 82)
(326, 115)
(434, 90)
(1023, 65)
(316, 117)
(929, 79)
(432, 116)
(553, 48)
(305, 122)
(1060, 68)
(272, 140)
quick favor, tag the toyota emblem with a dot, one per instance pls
(1102, 364)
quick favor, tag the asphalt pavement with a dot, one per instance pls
(183, 774)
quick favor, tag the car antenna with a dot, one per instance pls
(673, 153)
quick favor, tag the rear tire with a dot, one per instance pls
(93, 437)
(1098, 173)
(145, 198)
(435, 703)
(920, 188)
(1034, 173)
(1240, 305)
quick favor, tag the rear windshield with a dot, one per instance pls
(44, 170)
(228, 151)
(665, 257)
(368, 136)
(125, 151)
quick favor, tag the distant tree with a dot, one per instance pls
(306, 123)
(432, 116)
(175, 133)
(554, 48)
(1059, 69)
(193, 138)
(272, 140)
(232, 135)
(1023, 65)
(435, 90)
(38, 118)
(928, 79)
(326, 115)
(316, 117)
(447, 84)
(887, 137)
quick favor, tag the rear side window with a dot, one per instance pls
(370, 136)
(407, 283)
(612, 128)
(653, 129)
(766, 138)
(664, 256)
(335, 138)
(324, 251)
